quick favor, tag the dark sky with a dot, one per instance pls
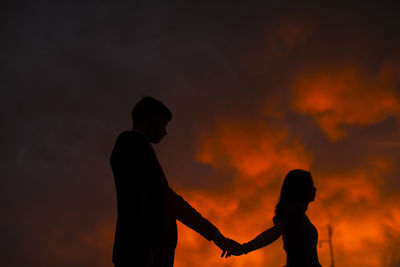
(256, 89)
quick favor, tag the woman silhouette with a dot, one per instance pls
(299, 235)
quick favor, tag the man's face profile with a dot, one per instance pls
(157, 128)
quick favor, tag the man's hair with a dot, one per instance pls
(148, 106)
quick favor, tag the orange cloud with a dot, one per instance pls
(235, 220)
(252, 148)
(363, 217)
(344, 96)
(261, 154)
(364, 220)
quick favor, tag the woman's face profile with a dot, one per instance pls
(311, 192)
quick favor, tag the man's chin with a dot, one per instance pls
(155, 141)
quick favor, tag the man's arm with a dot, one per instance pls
(194, 220)
(191, 217)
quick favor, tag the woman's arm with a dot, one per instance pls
(263, 239)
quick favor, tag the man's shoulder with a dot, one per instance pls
(132, 140)
(131, 136)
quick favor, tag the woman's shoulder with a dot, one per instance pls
(295, 210)
(292, 213)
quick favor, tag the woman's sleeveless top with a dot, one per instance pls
(300, 239)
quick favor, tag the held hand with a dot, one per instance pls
(236, 250)
(233, 246)
(224, 243)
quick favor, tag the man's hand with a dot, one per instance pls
(236, 250)
(224, 243)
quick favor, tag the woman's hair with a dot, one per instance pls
(295, 189)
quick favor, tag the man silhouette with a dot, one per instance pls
(146, 231)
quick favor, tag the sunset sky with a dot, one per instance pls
(256, 89)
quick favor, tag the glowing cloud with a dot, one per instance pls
(252, 148)
(340, 97)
